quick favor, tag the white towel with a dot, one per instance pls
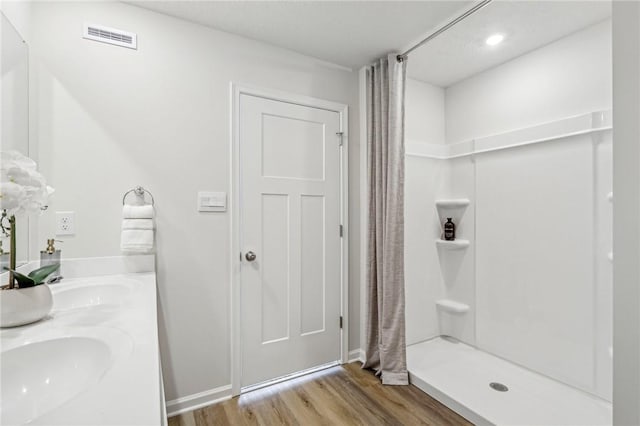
(137, 224)
(137, 212)
(137, 229)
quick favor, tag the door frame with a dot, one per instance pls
(236, 90)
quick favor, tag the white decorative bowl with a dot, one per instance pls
(22, 306)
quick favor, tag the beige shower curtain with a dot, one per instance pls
(385, 344)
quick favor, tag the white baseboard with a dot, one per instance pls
(223, 393)
(198, 400)
(356, 355)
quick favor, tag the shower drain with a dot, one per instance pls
(498, 387)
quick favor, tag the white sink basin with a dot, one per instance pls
(38, 377)
(91, 295)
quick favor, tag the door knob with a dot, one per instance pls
(250, 256)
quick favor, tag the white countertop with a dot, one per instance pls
(123, 315)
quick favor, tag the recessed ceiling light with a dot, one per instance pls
(494, 39)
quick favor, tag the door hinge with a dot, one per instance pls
(340, 134)
(340, 321)
(240, 256)
(341, 231)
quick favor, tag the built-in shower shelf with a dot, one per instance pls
(452, 306)
(452, 245)
(454, 203)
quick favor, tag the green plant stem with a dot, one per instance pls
(12, 255)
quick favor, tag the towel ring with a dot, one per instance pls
(139, 191)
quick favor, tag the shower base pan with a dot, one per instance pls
(459, 376)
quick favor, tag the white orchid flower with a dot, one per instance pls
(11, 196)
(22, 188)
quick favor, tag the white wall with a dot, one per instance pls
(424, 112)
(568, 77)
(111, 118)
(19, 13)
(626, 228)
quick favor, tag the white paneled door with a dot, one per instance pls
(290, 273)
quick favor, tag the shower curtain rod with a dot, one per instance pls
(439, 31)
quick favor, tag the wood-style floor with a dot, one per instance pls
(343, 395)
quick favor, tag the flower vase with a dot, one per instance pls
(20, 306)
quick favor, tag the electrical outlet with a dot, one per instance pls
(65, 223)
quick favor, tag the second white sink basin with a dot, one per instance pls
(91, 295)
(38, 377)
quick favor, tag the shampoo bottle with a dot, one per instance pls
(449, 230)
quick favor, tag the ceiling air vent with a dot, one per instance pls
(110, 35)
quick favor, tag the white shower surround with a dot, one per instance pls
(545, 307)
(510, 285)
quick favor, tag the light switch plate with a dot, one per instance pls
(212, 201)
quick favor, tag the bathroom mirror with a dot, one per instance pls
(14, 118)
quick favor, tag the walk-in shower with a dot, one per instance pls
(511, 322)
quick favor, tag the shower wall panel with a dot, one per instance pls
(425, 181)
(536, 268)
(457, 266)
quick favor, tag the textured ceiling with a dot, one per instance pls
(461, 51)
(347, 33)
(355, 33)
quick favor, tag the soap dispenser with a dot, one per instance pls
(50, 256)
